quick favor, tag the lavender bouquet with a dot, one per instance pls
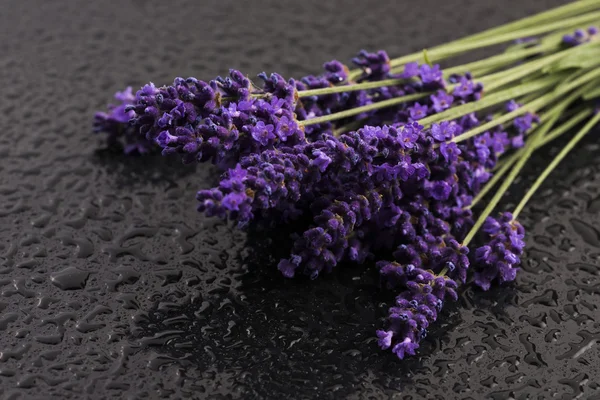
(393, 162)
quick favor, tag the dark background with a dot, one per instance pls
(112, 286)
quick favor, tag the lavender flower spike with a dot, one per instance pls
(498, 259)
(415, 309)
(116, 124)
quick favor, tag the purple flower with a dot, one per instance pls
(411, 69)
(385, 339)
(440, 190)
(450, 151)
(116, 124)
(233, 201)
(512, 106)
(524, 123)
(236, 85)
(430, 74)
(288, 267)
(443, 131)
(580, 36)
(321, 160)
(279, 87)
(263, 182)
(285, 128)
(407, 346)
(216, 121)
(464, 88)
(483, 153)
(418, 111)
(386, 188)
(335, 71)
(441, 101)
(262, 133)
(517, 141)
(408, 135)
(375, 66)
(469, 121)
(497, 142)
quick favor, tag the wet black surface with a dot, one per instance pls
(111, 285)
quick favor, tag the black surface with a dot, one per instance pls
(112, 286)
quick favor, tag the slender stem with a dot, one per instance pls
(463, 46)
(486, 102)
(554, 38)
(566, 126)
(478, 69)
(495, 178)
(586, 128)
(530, 97)
(558, 25)
(527, 150)
(520, 158)
(592, 94)
(530, 107)
(359, 123)
(349, 127)
(489, 81)
(362, 109)
(524, 109)
(350, 88)
(491, 63)
(448, 114)
(573, 120)
(499, 79)
(568, 10)
(500, 60)
(504, 165)
(550, 119)
(491, 100)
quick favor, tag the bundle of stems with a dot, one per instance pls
(396, 161)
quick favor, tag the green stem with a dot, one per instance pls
(478, 69)
(520, 158)
(500, 60)
(586, 128)
(568, 10)
(452, 113)
(593, 93)
(565, 127)
(462, 46)
(530, 97)
(351, 88)
(492, 41)
(359, 110)
(351, 126)
(527, 150)
(549, 119)
(359, 123)
(530, 107)
(573, 119)
(491, 63)
(495, 178)
(504, 166)
(491, 100)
